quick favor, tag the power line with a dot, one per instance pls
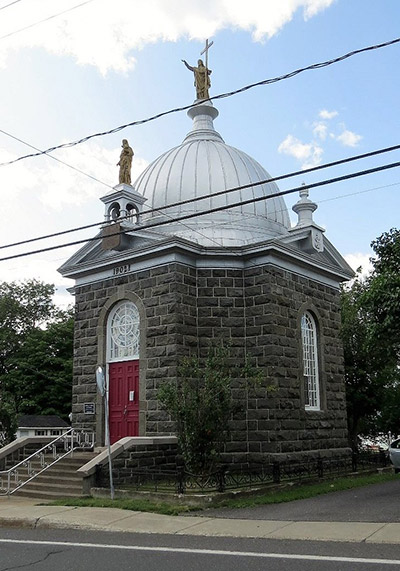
(75, 169)
(280, 177)
(55, 158)
(10, 4)
(210, 196)
(212, 210)
(340, 196)
(221, 96)
(82, 172)
(44, 20)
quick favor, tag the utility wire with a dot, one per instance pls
(340, 196)
(333, 198)
(75, 169)
(82, 172)
(44, 19)
(210, 196)
(221, 96)
(10, 4)
(56, 159)
(212, 210)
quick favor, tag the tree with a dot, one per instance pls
(39, 379)
(8, 421)
(371, 339)
(382, 297)
(23, 306)
(364, 368)
(35, 353)
(201, 403)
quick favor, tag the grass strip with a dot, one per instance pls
(305, 491)
(124, 504)
(275, 496)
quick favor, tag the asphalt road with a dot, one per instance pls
(70, 550)
(375, 503)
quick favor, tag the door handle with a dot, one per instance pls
(125, 410)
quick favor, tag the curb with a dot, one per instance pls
(124, 521)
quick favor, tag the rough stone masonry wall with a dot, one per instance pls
(171, 334)
(167, 295)
(259, 310)
(221, 316)
(279, 424)
(153, 458)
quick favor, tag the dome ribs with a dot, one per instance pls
(223, 200)
(185, 150)
(204, 165)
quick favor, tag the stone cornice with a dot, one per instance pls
(179, 250)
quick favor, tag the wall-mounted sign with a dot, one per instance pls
(89, 408)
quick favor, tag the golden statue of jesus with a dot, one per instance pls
(202, 81)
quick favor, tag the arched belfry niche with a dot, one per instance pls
(120, 343)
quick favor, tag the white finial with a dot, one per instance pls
(304, 208)
(304, 192)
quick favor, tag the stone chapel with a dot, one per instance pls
(181, 261)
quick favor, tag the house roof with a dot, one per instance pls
(41, 421)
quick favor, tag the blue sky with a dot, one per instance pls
(105, 64)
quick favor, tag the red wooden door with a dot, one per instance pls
(124, 399)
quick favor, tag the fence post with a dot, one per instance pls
(180, 480)
(276, 473)
(221, 479)
(320, 468)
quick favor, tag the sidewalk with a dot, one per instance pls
(15, 512)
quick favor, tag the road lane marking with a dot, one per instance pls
(209, 552)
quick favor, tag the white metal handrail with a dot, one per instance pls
(10, 480)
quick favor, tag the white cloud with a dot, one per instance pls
(358, 260)
(325, 114)
(73, 188)
(49, 197)
(349, 138)
(312, 7)
(309, 153)
(103, 34)
(56, 185)
(320, 130)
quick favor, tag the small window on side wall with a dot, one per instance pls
(310, 362)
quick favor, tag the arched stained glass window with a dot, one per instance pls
(123, 332)
(310, 362)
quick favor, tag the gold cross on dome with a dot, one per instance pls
(205, 51)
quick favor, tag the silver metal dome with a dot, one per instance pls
(202, 166)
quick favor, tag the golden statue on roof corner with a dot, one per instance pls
(125, 163)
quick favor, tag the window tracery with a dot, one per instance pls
(123, 332)
(310, 362)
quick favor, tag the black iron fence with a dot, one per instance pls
(227, 478)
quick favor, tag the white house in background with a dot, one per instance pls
(38, 425)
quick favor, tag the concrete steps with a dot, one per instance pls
(58, 481)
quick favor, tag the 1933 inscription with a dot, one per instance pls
(121, 270)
